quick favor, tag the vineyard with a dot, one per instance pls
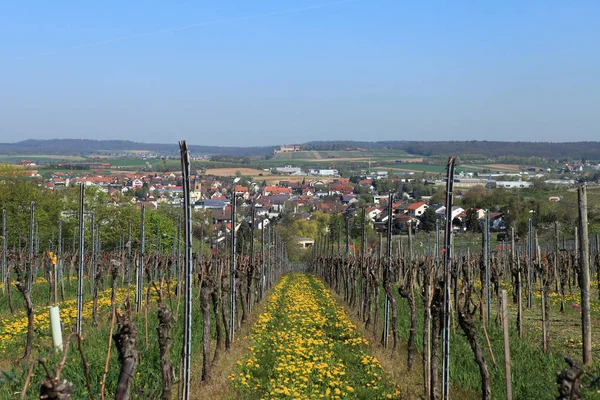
(144, 333)
(83, 317)
(135, 304)
(516, 324)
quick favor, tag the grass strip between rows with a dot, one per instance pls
(305, 347)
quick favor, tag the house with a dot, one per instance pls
(305, 243)
(276, 203)
(242, 191)
(210, 204)
(329, 207)
(456, 210)
(317, 183)
(286, 149)
(276, 190)
(217, 196)
(403, 221)
(308, 191)
(324, 172)
(497, 221)
(509, 184)
(479, 214)
(340, 188)
(349, 199)
(373, 213)
(416, 209)
(289, 170)
(222, 216)
(56, 182)
(305, 200)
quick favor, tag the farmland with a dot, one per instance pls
(233, 171)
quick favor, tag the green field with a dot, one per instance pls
(379, 154)
(414, 167)
(15, 158)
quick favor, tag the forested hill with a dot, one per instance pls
(587, 150)
(577, 150)
(85, 147)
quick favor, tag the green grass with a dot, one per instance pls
(146, 384)
(533, 372)
(127, 162)
(304, 346)
(414, 167)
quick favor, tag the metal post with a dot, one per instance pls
(31, 245)
(437, 243)
(447, 273)
(37, 240)
(129, 252)
(529, 264)
(4, 249)
(179, 253)
(268, 255)
(347, 236)
(187, 207)
(262, 258)
(81, 258)
(59, 253)
(584, 279)
(251, 274)
(140, 270)
(339, 237)
(232, 272)
(486, 249)
(157, 252)
(92, 254)
(386, 311)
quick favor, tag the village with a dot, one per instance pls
(415, 205)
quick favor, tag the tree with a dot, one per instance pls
(439, 197)
(366, 198)
(428, 220)
(471, 220)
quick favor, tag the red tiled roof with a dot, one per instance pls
(416, 205)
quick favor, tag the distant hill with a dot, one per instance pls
(86, 147)
(76, 147)
(577, 150)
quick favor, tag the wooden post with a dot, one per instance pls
(506, 345)
(584, 280)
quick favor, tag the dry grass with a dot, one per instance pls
(219, 386)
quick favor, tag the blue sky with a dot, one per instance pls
(274, 72)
